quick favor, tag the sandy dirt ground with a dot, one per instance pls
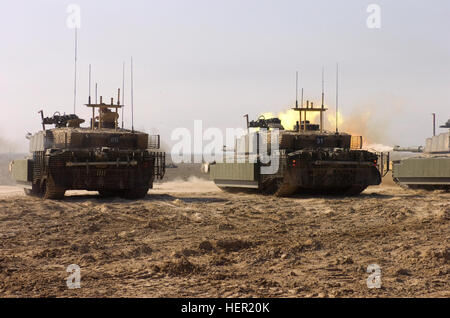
(187, 239)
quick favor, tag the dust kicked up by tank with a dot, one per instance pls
(219, 157)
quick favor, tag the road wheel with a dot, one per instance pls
(51, 191)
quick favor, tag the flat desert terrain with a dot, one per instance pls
(189, 239)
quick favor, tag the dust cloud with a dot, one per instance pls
(193, 184)
(7, 154)
(6, 146)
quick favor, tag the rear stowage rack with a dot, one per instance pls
(160, 164)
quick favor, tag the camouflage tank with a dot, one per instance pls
(308, 160)
(102, 157)
(431, 169)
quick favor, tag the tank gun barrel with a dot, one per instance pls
(408, 149)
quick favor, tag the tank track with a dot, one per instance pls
(110, 193)
(51, 191)
(278, 187)
(285, 189)
(354, 190)
(238, 190)
(136, 193)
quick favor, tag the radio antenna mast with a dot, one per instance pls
(123, 89)
(75, 79)
(96, 93)
(434, 123)
(296, 89)
(323, 99)
(132, 98)
(323, 86)
(89, 100)
(337, 97)
(302, 98)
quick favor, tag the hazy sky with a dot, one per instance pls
(218, 60)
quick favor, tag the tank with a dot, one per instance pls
(308, 160)
(101, 157)
(430, 169)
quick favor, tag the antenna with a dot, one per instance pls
(302, 98)
(123, 89)
(75, 79)
(96, 93)
(300, 113)
(132, 98)
(323, 99)
(296, 89)
(337, 97)
(89, 100)
(323, 86)
(434, 124)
